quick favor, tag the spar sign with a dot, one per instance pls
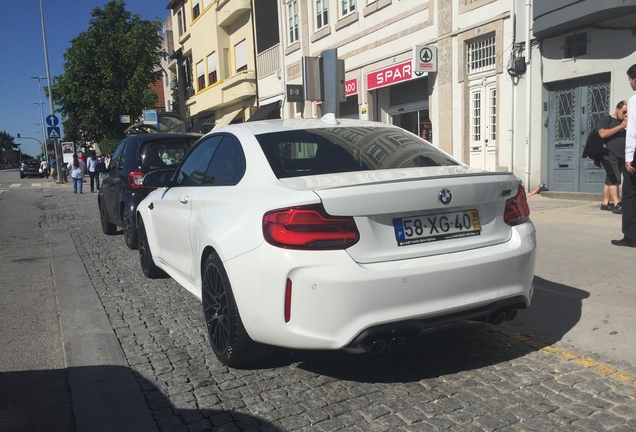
(390, 75)
(351, 86)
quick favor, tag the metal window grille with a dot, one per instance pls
(575, 45)
(481, 54)
(493, 114)
(477, 116)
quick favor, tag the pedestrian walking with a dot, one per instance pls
(612, 129)
(53, 170)
(92, 170)
(83, 159)
(77, 168)
(44, 167)
(629, 178)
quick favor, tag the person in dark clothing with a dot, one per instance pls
(629, 179)
(612, 129)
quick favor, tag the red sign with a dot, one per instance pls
(351, 86)
(390, 75)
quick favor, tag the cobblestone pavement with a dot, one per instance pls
(470, 377)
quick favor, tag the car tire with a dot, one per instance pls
(130, 229)
(227, 335)
(107, 227)
(22, 175)
(148, 266)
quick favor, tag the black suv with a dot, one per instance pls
(30, 167)
(122, 186)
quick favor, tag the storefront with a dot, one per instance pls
(401, 98)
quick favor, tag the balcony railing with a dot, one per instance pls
(268, 62)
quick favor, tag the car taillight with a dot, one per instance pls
(136, 179)
(517, 210)
(309, 227)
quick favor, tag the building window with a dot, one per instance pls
(240, 53)
(200, 76)
(180, 22)
(481, 54)
(492, 107)
(212, 76)
(575, 45)
(477, 116)
(292, 17)
(348, 6)
(322, 14)
(196, 9)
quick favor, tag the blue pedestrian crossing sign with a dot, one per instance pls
(53, 132)
(52, 120)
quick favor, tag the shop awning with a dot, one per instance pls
(264, 111)
(226, 119)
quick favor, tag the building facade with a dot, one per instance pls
(213, 52)
(506, 87)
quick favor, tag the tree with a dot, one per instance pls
(9, 149)
(107, 73)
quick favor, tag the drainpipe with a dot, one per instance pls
(528, 92)
(513, 92)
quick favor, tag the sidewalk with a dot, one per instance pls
(104, 392)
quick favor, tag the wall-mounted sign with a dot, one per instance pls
(425, 58)
(294, 93)
(351, 86)
(390, 75)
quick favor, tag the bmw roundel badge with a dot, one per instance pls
(445, 196)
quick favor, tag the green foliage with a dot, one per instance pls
(107, 72)
(8, 149)
(108, 145)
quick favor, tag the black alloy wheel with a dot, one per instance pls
(108, 228)
(130, 230)
(148, 266)
(227, 335)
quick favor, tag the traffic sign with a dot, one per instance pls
(53, 132)
(52, 120)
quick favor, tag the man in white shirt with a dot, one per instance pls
(629, 180)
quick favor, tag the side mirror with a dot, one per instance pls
(158, 179)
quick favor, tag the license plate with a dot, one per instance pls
(435, 227)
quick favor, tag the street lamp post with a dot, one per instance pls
(58, 154)
(40, 103)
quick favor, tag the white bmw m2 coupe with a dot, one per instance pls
(335, 234)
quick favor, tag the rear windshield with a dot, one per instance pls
(164, 153)
(336, 150)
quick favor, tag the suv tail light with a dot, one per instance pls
(136, 179)
(309, 228)
(517, 210)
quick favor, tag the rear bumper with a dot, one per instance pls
(336, 301)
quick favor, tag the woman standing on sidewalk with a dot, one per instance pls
(92, 170)
(77, 169)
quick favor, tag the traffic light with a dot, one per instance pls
(19, 137)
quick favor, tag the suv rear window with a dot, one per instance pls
(345, 149)
(164, 153)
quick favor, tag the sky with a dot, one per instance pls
(23, 56)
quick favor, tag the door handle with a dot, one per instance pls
(184, 199)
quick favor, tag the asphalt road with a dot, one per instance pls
(133, 355)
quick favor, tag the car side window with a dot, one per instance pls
(114, 163)
(228, 164)
(195, 164)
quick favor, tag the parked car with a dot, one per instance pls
(335, 234)
(30, 167)
(122, 187)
